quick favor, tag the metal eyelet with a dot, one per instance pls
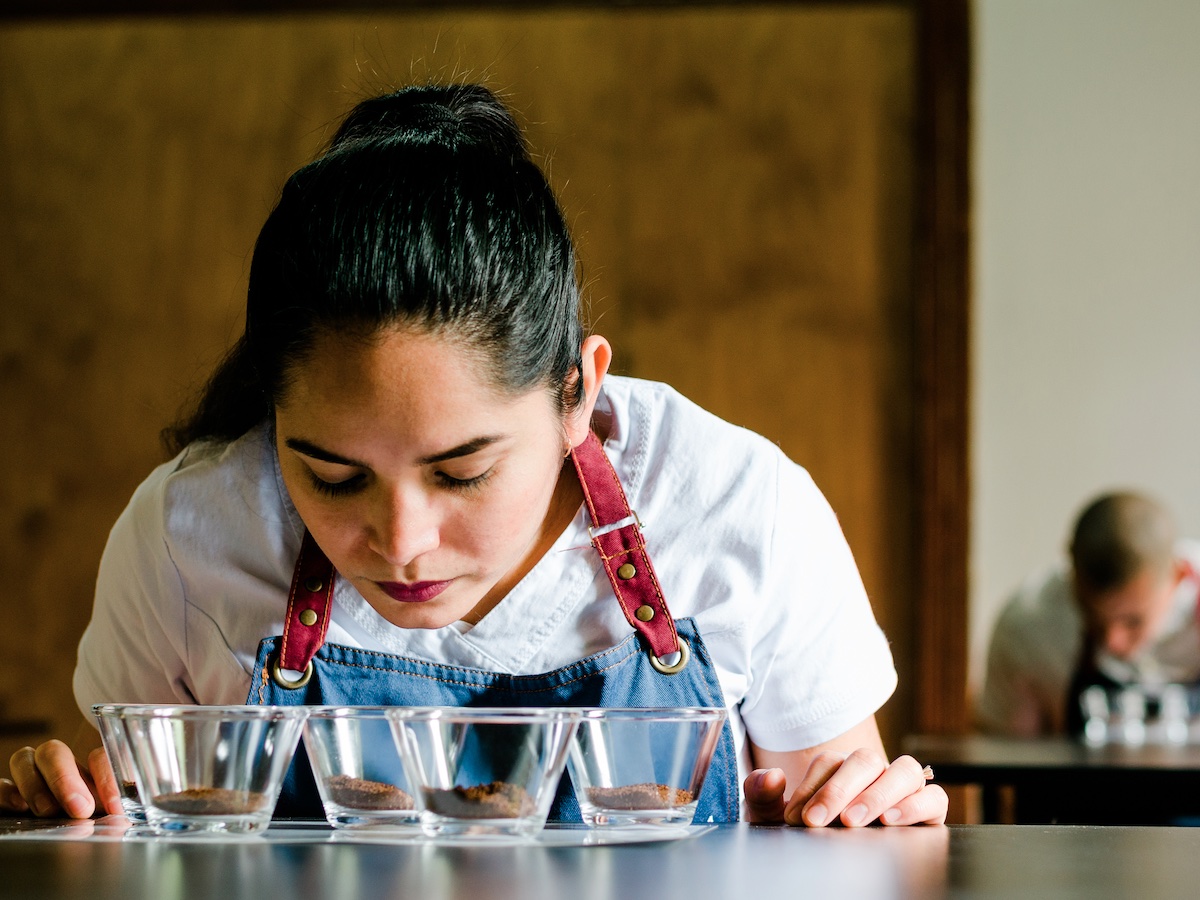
(684, 655)
(287, 683)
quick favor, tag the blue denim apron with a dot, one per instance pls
(664, 663)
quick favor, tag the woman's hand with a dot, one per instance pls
(832, 784)
(47, 781)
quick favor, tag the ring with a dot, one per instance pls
(928, 773)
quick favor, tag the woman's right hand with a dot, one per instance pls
(48, 782)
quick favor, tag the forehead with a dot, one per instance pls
(402, 393)
(387, 361)
(1146, 592)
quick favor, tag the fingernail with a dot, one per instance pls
(76, 806)
(856, 814)
(890, 816)
(818, 816)
(42, 806)
(756, 780)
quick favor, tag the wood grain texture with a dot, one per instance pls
(943, 367)
(740, 182)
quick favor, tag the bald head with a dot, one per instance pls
(1119, 536)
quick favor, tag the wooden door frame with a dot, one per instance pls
(941, 281)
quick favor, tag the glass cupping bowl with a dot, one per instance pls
(211, 768)
(635, 767)
(120, 757)
(483, 772)
(356, 762)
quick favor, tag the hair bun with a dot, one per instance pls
(456, 117)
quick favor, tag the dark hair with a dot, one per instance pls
(425, 211)
(1118, 536)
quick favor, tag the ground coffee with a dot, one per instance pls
(212, 802)
(639, 796)
(359, 793)
(498, 800)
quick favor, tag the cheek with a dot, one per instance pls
(332, 528)
(506, 518)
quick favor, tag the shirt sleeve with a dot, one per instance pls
(1031, 655)
(1007, 703)
(133, 650)
(821, 664)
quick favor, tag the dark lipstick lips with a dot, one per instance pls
(418, 592)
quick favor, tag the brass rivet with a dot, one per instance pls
(308, 617)
(626, 572)
(313, 584)
(645, 613)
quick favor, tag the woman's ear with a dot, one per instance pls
(596, 354)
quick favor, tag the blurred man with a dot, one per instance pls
(1123, 612)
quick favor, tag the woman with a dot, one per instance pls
(413, 482)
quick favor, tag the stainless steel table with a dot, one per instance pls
(726, 862)
(1065, 781)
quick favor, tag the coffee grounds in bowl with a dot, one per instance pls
(359, 793)
(498, 800)
(212, 802)
(639, 796)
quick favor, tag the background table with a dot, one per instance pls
(1059, 780)
(728, 862)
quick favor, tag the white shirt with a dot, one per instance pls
(197, 569)
(1038, 639)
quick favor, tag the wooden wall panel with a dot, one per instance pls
(740, 182)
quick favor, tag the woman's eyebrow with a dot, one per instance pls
(466, 449)
(308, 448)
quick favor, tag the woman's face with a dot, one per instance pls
(430, 491)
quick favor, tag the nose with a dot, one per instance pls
(1119, 640)
(404, 525)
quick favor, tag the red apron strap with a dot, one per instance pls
(1192, 575)
(309, 605)
(618, 539)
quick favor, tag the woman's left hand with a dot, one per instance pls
(855, 789)
(834, 784)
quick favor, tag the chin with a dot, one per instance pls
(419, 618)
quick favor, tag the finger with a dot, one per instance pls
(11, 800)
(764, 790)
(106, 787)
(819, 771)
(902, 778)
(856, 772)
(49, 780)
(928, 806)
(29, 783)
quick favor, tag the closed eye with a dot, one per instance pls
(343, 488)
(464, 484)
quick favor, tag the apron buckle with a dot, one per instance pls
(672, 668)
(292, 684)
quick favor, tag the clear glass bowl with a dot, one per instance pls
(358, 768)
(642, 766)
(483, 772)
(211, 768)
(116, 746)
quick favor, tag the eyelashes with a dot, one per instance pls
(355, 483)
(337, 488)
(464, 485)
